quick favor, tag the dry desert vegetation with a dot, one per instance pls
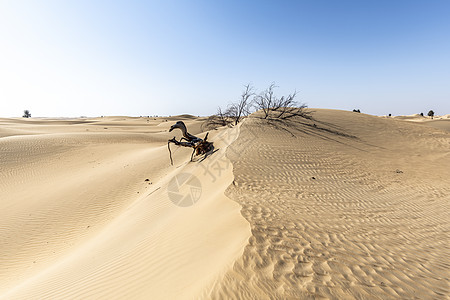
(341, 206)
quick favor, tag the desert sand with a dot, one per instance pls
(343, 206)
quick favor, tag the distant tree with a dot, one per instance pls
(390, 115)
(431, 114)
(421, 114)
(26, 113)
(356, 110)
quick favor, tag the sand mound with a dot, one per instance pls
(440, 122)
(344, 206)
(443, 124)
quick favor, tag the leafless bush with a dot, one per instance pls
(221, 118)
(234, 112)
(283, 108)
(272, 107)
(265, 100)
(241, 109)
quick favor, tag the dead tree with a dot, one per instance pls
(282, 108)
(200, 146)
(221, 118)
(287, 107)
(241, 109)
(265, 100)
(234, 113)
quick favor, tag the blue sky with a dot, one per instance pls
(92, 58)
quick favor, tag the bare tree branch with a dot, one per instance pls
(220, 119)
(265, 100)
(243, 107)
(279, 108)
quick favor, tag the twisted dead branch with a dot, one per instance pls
(200, 146)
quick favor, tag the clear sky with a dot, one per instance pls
(92, 58)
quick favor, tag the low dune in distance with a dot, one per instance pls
(342, 206)
(441, 122)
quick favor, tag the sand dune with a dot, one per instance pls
(353, 207)
(441, 124)
(342, 206)
(78, 219)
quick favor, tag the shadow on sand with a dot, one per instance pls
(313, 127)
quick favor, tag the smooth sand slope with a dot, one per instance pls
(79, 220)
(343, 206)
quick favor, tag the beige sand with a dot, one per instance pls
(344, 206)
(78, 219)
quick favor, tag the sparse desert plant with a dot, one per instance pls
(283, 108)
(421, 114)
(234, 113)
(265, 100)
(241, 109)
(431, 114)
(390, 115)
(272, 108)
(287, 107)
(26, 114)
(221, 118)
(356, 110)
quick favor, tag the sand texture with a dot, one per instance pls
(355, 207)
(343, 206)
(78, 220)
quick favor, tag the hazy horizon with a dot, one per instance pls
(196, 115)
(139, 58)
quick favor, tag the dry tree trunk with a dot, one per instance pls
(200, 146)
